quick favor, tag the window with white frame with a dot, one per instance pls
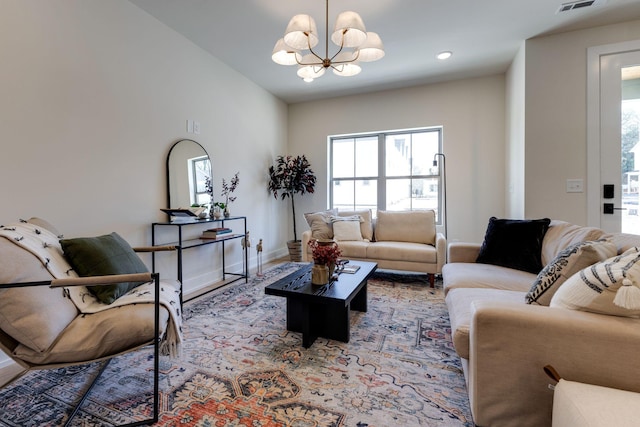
(386, 170)
(200, 180)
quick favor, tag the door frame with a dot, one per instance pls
(594, 183)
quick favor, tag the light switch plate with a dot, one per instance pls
(575, 186)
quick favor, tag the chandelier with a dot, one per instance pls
(349, 34)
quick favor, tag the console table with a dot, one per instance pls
(183, 244)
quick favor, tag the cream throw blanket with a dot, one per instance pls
(46, 246)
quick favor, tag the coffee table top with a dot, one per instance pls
(298, 284)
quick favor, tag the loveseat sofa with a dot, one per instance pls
(507, 323)
(395, 240)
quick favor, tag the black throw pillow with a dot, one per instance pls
(514, 243)
(103, 256)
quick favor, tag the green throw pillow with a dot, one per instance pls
(101, 256)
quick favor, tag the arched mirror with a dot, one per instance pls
(189, 175)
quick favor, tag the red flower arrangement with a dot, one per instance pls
(323, 253)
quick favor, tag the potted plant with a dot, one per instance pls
(289, 176)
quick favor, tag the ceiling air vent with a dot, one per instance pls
(580, 4)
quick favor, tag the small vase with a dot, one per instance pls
(215, 213)
(227, 214)
(319, 274)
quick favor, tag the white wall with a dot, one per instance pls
(94, 93)
(514, 153)
(472, 114)
(555, 124)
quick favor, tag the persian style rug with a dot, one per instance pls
(241, 367)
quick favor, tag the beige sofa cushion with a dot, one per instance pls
(402, 251)
(100, 334)
(366, 225)
(33, 316)
(568, 262)
(354, 249)
(488, 276)
(411, 226)
(561, 235)
(461, 308)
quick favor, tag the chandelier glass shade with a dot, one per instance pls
(354, 43)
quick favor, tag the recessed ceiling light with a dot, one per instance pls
(444, 55)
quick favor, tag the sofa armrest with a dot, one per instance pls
(102, 280)
(441, 250)
(463, 252)
(306, 236)
(511, 343)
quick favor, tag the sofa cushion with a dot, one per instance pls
(561, 235)
(366, 226)
(461, 308)
(104, 255)
(354, 249)
(402, 251)
(406, 226)
(33, 316)
(320, 223)
(568, 262)
(625, 241)
(473, 275)
(514, 243)
(594, 288)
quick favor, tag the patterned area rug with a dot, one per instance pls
(242, 368)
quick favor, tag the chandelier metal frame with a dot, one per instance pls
(349, 32)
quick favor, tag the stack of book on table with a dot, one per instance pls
(214, 233)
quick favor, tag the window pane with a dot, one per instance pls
(398, 155)
(203, 170)
(367, 157)
(203, 198)
(343, 195)
(423, 146)
(398, 194)
(366, 196)
(343, 161)
(425, 194)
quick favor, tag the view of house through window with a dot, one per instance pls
(200, 172)
(386, 170)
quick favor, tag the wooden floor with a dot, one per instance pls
(10, 370)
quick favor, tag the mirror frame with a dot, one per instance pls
(168, 172)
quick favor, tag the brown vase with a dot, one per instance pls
(319, 274)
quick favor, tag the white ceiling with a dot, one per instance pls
(484, 36)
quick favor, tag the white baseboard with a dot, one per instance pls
(8, 368)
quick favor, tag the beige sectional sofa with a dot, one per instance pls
(395, 240)
(504, 342)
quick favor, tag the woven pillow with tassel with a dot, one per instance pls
(609, 287)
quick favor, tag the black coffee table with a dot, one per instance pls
(323, 311)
